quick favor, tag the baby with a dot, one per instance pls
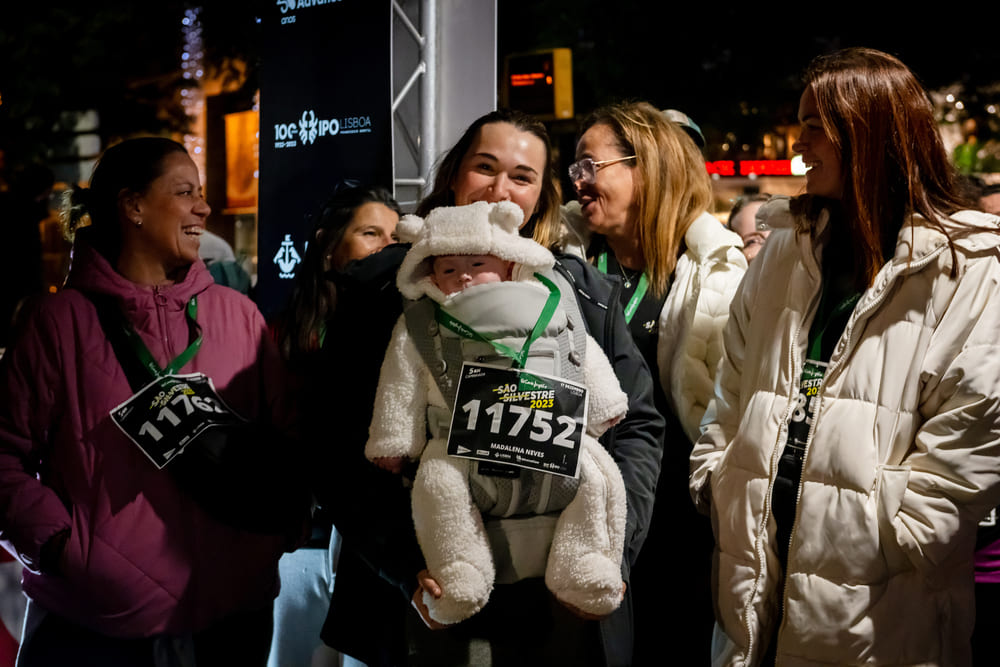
(452, 274)
(470, 263)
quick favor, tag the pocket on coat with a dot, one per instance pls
(890, 486)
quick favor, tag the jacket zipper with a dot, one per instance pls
(762, 526)
(773, 468)
(159, 299)
(842, 351)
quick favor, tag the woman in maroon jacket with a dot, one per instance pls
(122, 565)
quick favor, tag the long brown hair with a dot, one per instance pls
(312, 303)
(544, 225)
(673, 187)
(893, 163)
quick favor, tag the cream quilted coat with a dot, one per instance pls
(903, 460)
(689, 344)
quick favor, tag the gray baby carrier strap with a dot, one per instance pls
(529, 492)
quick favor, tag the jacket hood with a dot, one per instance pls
(707, 235)
(480, 228)
(91, 272)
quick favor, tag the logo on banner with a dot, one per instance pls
(309, 128)
(287, 258)
(291, 5)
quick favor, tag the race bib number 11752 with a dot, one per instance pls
(518, 417)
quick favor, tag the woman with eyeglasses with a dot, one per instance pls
(506, 155)
(641, 216)
(854, 440)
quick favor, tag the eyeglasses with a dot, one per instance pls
(586, 169)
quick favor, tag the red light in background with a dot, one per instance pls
(721, 167)
(766, 167)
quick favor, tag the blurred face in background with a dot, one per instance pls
(990, 203)
(502, 164)
(744, 223)
(372, 228)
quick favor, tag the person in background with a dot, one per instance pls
(743, 221)
(989, 199)
(686, 123)
(853, 443)
(221, 262)
(122, 565)
(355, 223)
(641, 216)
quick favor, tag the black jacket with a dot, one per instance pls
(370, 507)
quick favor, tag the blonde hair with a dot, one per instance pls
(672, 189)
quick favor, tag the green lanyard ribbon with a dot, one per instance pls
(816, 334)
(637, 296)
(146, 358)
(452, 323)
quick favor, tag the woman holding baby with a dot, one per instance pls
(506, 156)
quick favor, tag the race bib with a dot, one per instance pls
(170, 412)
(804, 413)
(517, 417)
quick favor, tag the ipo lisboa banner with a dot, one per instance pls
(325, 117)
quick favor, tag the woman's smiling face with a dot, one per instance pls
(824, 177)
(609, 202)
(172, 214)
(502, 164)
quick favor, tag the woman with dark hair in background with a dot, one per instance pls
(123, 566)
(355, 223)
(853, 442)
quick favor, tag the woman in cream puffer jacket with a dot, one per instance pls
(871, 451)
(899, 469)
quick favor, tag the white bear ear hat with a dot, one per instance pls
(480, 228)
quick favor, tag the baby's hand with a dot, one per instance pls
(393, 464)
(597, 430)
(611, 423)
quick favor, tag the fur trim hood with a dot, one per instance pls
(480, 228)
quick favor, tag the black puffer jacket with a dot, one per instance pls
(368, 505)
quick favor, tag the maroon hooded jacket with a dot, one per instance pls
(142, 558)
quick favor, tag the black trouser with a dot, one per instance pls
(52, 641)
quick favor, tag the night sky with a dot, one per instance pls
(737, 68)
